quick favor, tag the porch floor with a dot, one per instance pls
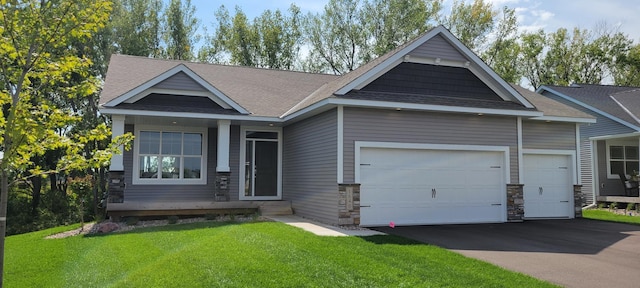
(135, 208)
(619, 199)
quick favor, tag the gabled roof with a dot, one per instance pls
(618, 103)
(552, 109)
(370, 71)
(262, 92)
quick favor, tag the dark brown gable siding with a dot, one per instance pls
(425, 79)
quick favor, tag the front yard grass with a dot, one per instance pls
(604, 215)
(260, 254)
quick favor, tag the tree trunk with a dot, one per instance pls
(35, 200)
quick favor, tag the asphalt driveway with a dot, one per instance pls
(570, 253)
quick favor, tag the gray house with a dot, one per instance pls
(610, 146)
(426, 134)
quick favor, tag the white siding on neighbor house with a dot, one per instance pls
(183, 193)
(180, 81)
(429, 128)
(603, 126)
(553, 135)
(310, 151)
(437, 47)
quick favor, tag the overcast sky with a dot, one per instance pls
(532, 14)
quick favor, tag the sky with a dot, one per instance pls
(532, 14)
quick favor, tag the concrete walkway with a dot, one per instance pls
(323, 229)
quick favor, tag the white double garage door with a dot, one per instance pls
(456, 184)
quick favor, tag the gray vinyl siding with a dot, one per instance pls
(180, 81)
(310, 149)
(427, 128)
(184, 193)
(603, 126)
(438, 47)
(543, 135)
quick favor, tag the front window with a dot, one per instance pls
(623, 159)
(169, 156)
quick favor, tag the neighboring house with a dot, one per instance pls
(425, 134)
(610, 146)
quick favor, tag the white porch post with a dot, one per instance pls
(224, 132)
(117, 129)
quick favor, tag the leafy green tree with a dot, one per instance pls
(180, 30)
(336, 37)
(531, 57)
(502, 53)
(471, 22)
(33, 34)
(626, 72)
(395, 22)
(135, 27)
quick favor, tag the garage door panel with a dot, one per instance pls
(416, 186)
(548, 186)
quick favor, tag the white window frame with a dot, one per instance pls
(608, 152)
(136, 180)
(243, 157)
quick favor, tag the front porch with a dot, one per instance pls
(145, 209)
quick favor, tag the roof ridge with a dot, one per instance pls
(625, 109)
(186, 62)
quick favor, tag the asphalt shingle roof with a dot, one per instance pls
(602, 97)
(549, 106)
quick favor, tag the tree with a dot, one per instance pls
(180, 30)
(531, 57)
(135, 27)
(626, 72)
(472, 22)
(336, 37)
(393, 23)
(35, 52)
(502, 53)
(272, 40)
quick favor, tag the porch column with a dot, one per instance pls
(224, 132)
(117, 129)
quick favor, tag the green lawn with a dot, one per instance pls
(604, 215)
(261, 254)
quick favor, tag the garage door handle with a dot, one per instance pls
(433, 193)
(540, 190)
(566, 201)
(365, 206)
(496, 204)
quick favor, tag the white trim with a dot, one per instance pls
(136, 180)
(436, 61)
(165, 75)
(450, 147)
(594, 170)
(580, 103)
(203, 94)
(117, 129)
(224, 135)
(624, 108)
(408, 106)
(132, 112)
(520, 154)
(564, 119)
(571, 153)
(241, 186)
(578, 143)
(615, 136)
(340, 159)
(617, 142)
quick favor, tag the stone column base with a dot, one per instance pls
(221, 190)
(578, 198)
(515, 203)
(116, 187)
(349, 204)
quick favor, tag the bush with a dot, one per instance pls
(602, 205)
(613, 205)
(631, 206)
(132, 221)
(210, 216)
(173, 219)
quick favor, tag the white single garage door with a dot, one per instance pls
(417, 186)
(548, 186)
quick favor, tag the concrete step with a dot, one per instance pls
(274, 208)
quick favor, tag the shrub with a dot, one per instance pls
(602, 205)
(631, 206)
(613, 205)
(173, 219)
(210, 216)
(132, 221)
